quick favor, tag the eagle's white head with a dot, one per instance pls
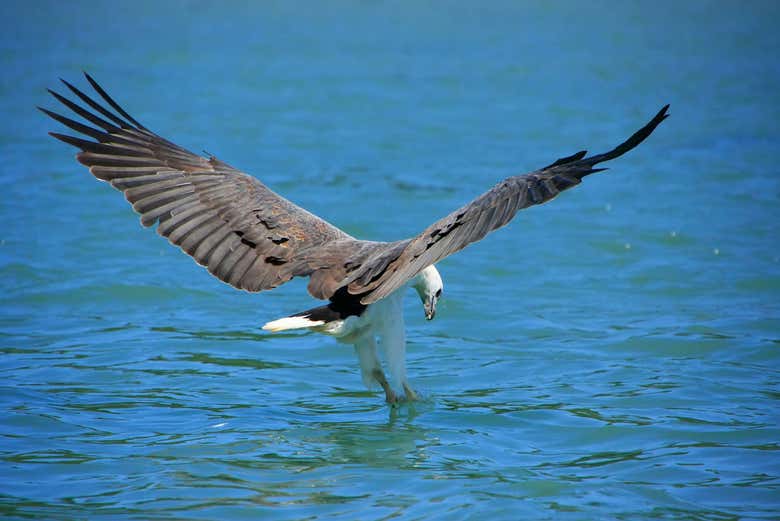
(429, 286)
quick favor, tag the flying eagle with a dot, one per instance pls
(253, 239)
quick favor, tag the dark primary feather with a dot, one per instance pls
(250, 237)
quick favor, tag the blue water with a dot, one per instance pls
(613, 354)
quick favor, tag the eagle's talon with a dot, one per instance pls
(411, 396)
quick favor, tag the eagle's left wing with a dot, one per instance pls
(486, 213)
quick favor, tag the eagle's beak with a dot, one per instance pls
(430, 308)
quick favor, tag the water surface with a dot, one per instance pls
(613, 354)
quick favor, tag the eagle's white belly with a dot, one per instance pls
(382, 320)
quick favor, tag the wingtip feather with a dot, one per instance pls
(108, 99)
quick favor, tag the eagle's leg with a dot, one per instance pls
(393, 341)
(390, 395)
(370, 368)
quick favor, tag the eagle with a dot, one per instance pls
(254, 239)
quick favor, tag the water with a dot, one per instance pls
(613, 354)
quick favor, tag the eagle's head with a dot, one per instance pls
(429, 286)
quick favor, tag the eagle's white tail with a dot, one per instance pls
(294, 322)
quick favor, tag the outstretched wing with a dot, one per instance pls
(231, 223)
(486, 213)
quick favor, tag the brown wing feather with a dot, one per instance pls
(231, 223)
(486, 213)
(254, 239)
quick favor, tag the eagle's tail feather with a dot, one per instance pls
(314, 317)
(292, 322)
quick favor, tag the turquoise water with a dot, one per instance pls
(613, 354)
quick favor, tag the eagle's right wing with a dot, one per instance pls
(231, 223)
